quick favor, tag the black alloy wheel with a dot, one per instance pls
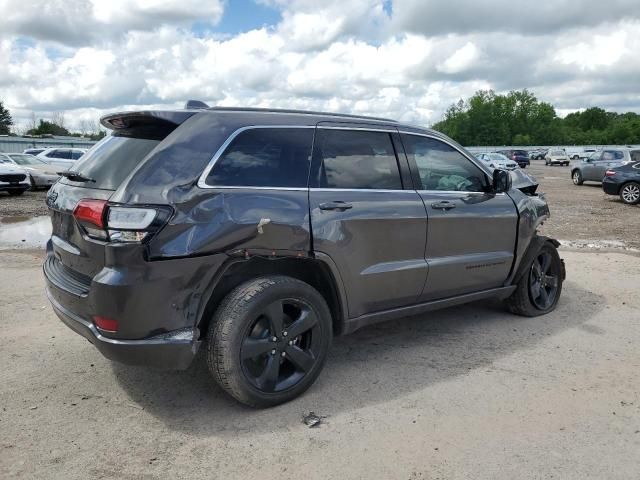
(280, 346)
(543, 281)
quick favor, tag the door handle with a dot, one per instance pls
(443, 205)
(336, 205)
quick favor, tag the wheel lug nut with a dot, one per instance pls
(274, 339)
(273, 352)
(284, 334)
(284, 354)
(290, 342)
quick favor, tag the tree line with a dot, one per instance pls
(519, 118)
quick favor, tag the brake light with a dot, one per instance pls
(513, 156)
(90, 211)
(609, 173)
(106, 324)
(118, 223)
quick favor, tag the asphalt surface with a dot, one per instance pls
(468, 392)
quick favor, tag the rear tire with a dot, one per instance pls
(538, 290)
(15, 193)
(268, 340)
(576, 176)
(630, 193)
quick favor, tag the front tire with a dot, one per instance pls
(268, 340)
(576, 177)
(630, 193)
(538, 290)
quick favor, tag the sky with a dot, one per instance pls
(403, 59)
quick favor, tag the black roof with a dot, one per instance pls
(298, 112)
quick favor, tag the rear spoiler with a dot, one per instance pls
(154, 125)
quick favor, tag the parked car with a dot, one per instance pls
(593, 168)
(497, 160)
(33, 151)
(537, 154)
(13, 179)
(556, 156)
(41, 174)
(623, 181)
(519, 156)
(262, 233)
(63, 157)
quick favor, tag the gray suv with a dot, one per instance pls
(261, 234)
(594, 167)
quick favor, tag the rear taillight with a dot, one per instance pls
(513, 156)
(90, 214)
(609, 173)
(117, 223)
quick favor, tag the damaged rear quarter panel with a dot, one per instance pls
(230, 220)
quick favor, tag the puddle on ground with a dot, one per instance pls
(24, 232)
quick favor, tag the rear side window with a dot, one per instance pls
(111, 160)
(635, 155)
(265, 157)
(357, 159)
(609, 155)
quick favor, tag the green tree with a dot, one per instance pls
(5, 120)
(48, 128)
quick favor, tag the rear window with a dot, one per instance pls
(265, 157)
(357, 160)
(111, 160)
(520, 152)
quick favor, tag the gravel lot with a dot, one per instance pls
(468, 392)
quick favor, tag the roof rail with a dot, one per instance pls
(191, 104)
(298, 112)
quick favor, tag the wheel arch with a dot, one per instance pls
(317, 272)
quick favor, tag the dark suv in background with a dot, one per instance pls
(521, 157)
(263, 233)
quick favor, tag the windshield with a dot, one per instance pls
(22, 159)
(111, 160)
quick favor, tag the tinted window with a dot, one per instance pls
(635, 155)
(112, 159)
(357, 159)
(76, 154)
(265, 157)
(609, 155)
(442, 167)
(520, 152)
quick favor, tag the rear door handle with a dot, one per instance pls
(336, 205)
(443, 205)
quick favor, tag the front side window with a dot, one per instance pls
(356, 159)
(442, 167)
(265, 157)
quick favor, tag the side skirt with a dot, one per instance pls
(353, 324)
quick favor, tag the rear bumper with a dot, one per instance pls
(610, 187)
(172, 350)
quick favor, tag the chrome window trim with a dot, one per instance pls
(319, 189)
(202, 183)
(216, 156)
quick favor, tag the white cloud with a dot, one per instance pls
(347, 56)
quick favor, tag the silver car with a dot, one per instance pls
(556, 156)
(593, 168)
(13, 179)
(497, 160)
(41, 174)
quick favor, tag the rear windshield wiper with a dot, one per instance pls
(75, 176)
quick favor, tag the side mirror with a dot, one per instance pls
(501, 181)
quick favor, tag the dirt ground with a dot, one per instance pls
(467, 392)
(581, 214)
